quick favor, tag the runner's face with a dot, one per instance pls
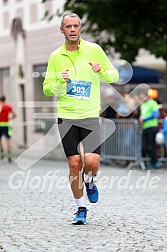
(71, 29)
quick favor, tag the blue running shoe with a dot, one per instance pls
(80, 218)
(92, 192)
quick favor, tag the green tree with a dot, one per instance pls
(125, 25)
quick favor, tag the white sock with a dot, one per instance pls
(80, 202)
(87, 178)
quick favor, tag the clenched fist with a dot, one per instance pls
(65, 75)
(95, 67)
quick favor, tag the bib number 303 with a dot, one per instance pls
(78, 89)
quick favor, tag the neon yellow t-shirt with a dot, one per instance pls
(78, 100)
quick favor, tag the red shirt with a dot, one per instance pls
(4, 112)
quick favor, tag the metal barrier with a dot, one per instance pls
(125, 143)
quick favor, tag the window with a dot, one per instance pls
(43, 105)
(5, 87)
(48, 6)
(5, 1)
(33, 13)
(19, 13)
(6, 20)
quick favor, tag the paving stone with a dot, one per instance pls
(129, 217)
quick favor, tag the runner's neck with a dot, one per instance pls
(72, 47)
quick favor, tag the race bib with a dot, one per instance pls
(78, 89)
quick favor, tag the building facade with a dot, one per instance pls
(26, 40)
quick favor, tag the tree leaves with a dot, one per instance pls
(126, 25)
(134, 24)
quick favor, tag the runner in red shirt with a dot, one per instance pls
(6, 113)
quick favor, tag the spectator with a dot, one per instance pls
(153, 94)
(149, 121)
(164, 128)
(109, 103)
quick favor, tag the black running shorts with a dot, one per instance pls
(4, 131)
(73, 132)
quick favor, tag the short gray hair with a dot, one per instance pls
(69, 14)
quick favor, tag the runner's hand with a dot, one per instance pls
(140, 120)
(95, 67)
(65, 75)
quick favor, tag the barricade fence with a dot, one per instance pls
(125, 143)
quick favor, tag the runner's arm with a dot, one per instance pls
(53, 80)
(13, 115)
(108, 72)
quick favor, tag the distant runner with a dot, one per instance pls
(6, 114)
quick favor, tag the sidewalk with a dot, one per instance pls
(36, 213)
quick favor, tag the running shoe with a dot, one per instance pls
(153, 166)
(9, 157)
(80, 218)
(157, 165)
(92, 191)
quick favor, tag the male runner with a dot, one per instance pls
(73, 74)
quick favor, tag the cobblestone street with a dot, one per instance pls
(36, 214)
